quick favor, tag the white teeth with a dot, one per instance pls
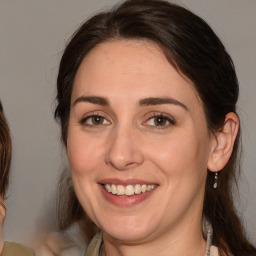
(150, 187)
(128, 190)
(113, 189)
(143, 188)
(137, 189)
(108, 187)
(120, 190)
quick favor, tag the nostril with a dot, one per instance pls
(123, 165)
(124, 151)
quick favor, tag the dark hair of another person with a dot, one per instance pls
(5, 153)
(191, 46)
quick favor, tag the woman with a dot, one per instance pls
(7, 248)
(147, 104)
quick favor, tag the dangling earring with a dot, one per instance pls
(215, 185)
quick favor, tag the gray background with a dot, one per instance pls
(32, 37)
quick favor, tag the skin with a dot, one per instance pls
(127, 144)
(2, 202)
(2, 217)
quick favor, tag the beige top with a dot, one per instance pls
(93, 248)
(95, 245)
(14, 249)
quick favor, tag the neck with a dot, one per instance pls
(187, 241)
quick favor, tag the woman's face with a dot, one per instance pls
(138, 143)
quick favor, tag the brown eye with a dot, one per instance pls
(96, 120)
(160, 121)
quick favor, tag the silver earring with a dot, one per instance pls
(215, 185)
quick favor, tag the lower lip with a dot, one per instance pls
(125, 201)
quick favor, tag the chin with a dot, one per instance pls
(129, 231)
(128, 236)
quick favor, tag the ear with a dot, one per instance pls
(222, 143)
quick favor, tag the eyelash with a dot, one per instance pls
(85, 119)
(163, 117)
(152, 117)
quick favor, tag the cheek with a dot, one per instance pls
(83, 153)
(84, 162)
(181, 154)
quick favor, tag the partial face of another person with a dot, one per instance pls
(4, 135)
(138, 143)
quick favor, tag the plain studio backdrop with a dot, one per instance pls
(32, 37)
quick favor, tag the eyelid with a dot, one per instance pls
(94, 114)
(169, 118)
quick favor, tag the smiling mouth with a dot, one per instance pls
(128, 190)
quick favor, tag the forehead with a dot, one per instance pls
(129, 66)
(124, 57)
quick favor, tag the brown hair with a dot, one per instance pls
(194, 50)
(5, 153)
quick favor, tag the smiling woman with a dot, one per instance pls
(147, 103)
(132, 143)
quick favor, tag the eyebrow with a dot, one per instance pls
(161, 101)
(143, 102)
(92, 99)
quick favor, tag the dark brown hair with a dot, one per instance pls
(194, 50)
(5, 153)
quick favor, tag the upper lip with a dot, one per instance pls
(126, 182)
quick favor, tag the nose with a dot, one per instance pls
(124, 150)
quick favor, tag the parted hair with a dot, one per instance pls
(192, 47)
(5, 153)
